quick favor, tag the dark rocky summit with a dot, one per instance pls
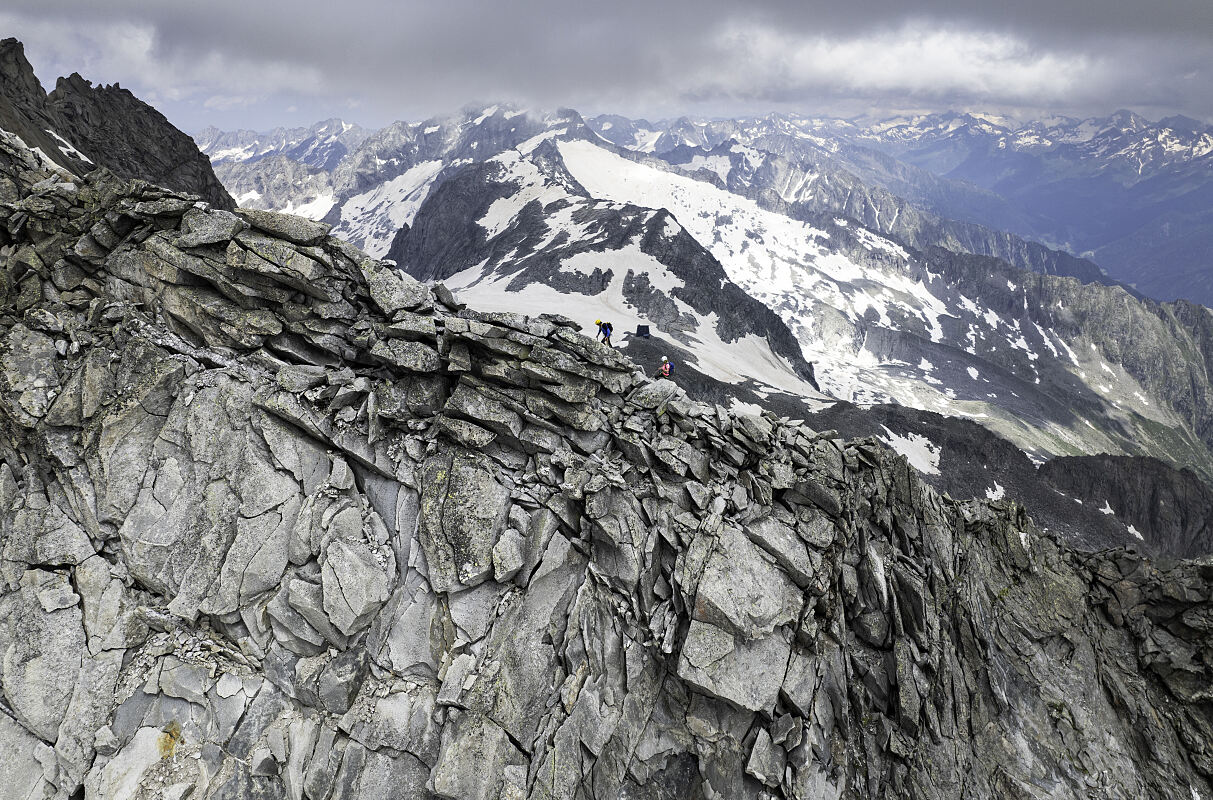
(80, 126)
(278, 521)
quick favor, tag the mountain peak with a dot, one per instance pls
(1128, 120)
(1184, 124)
(16, 71)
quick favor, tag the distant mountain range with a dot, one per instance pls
(1135, 196)
(684, 225)
(1131, 195)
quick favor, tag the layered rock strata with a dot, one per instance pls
(281, 522)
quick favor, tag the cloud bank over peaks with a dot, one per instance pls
(253, 65)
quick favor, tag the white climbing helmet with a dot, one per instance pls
(663, 358)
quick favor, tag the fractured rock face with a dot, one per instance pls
(279, 522)
(463, 508)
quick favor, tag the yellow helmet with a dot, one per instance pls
(597, 322)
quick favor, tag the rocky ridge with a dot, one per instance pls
(79, 126)
(281, 522)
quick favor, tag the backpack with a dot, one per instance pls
(606, 328)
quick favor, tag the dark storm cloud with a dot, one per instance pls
(251, 61)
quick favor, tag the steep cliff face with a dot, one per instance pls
(1175, 506)
(79, 126)
(281, 522)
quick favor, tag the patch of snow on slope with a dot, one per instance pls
(645, 141)
(312, 209)
(1069, 352)
(43, 159)
(785, 263)
(754, 157)
(1107, 508)
(1135, 532)
(68, 149)
(718, 164)
(530, 144)
(502, 211)
(371, 219)
(874, 242)
(488, 112)
(997, 493)
(921, 452)
(620, 262)
(750, 356)
(234, 153)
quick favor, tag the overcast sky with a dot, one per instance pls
(253, 63)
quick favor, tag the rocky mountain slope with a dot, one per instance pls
(281, 522)
(79, 126)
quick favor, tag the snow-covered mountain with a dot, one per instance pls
(527, 212)
(1132, 194)
(518, 234)
(1123, 141)
(378, 186)
(796, 176)
(322, 145)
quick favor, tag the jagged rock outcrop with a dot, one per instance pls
(281, 522)
(80, 126)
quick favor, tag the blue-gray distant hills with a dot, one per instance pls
(1135, 196)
